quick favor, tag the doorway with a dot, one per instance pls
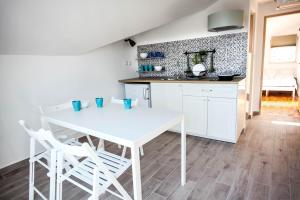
(281, 73)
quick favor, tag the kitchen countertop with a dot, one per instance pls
(236, 80)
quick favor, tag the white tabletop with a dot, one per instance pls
(131, 127)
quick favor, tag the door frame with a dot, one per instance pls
(263, 49)
(249, 82)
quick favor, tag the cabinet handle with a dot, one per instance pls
(203, 90)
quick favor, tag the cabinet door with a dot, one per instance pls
(167, 96)
(221, 119)
(195, 113)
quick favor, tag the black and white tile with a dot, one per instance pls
(230, 56)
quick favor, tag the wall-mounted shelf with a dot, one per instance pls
(162, 70)
(151, 71)
(152, 58)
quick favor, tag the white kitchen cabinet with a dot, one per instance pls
(215, 111)
(195, 112)
(221, 118)
(167, 96)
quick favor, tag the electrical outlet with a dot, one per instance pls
(128, 63)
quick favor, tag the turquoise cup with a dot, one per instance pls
(99, 102)
(76, 105)
(127, 104)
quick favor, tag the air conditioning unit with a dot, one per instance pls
(285, 4)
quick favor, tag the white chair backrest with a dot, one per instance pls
(63, 106)
(41, 138)
(48, 141)
(134, 103)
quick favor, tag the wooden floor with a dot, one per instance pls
(279, 100)
(264, 164)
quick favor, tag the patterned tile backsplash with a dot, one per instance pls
(230, 56)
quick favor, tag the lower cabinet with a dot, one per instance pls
(221, 118)
(210, 110)
(167, 96)
(210, 117)
(195, 113)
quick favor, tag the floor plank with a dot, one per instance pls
(259, 191)
(219, 192)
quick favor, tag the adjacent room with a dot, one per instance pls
(149, 100)
(280, 70)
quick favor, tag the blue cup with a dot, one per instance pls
(151, 68)
(141, 68)
(76, 105)
(99, 102)
(127, 104)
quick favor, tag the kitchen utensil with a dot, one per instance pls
(151, 54)
(76, 105)
(158, 68)
(227, 77)
(127, 104)
(199, 70)
(159, 54)
(143, 55)
(99, 102)
(151, 68)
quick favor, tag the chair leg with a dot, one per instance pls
(90, 141)
(124, 152)
(142, 151)
(59, 176)
(101, 144)
(31, 180)
(96, 188)
(125, 148)
(31, 169)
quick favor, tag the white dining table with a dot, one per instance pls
(131, 128)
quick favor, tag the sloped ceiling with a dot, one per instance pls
(68, 27)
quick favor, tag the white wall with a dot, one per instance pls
(192, 26)
(263, 9)
(29, 81)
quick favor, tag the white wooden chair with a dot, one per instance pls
(97, 172)
(60, 132)
(48, 154)
(134, 103)
(80, 165)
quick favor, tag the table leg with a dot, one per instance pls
(136, 173)
(183, 153)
